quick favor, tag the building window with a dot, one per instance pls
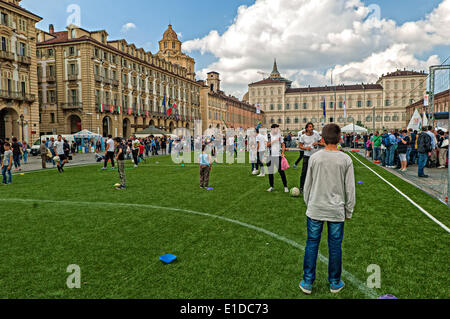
(279, 106)
(50, 52)
(359, 104)
(387, 103)
(305, 106)
(296, 120)
(271, 107)
(72, 51)
(287, 106)
(52, 117)
(296, 106)
(369, 103)
(331, 105)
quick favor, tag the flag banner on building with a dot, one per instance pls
(334, 98)
(324, 108)
(425, 120)
(345, 109)
(111, 109)
(416, 121)
(120, 109)
(139, 111)
(258, 109)
(169, 109)
(175, 104)
(146, 112)
(101, 108)
(164, 104)
(426, 100)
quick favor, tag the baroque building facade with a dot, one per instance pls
(221, 111)
(375, 106)
(19, 109)
(109, 87)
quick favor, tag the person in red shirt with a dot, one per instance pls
(141, 151)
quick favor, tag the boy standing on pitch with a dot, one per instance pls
(205, 167)
(329, 195)
(120, 158)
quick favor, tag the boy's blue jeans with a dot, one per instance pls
(335, 237)
(5, 171)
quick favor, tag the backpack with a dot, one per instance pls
(386, 141)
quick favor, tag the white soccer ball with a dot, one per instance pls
(56, 159)
(295, 192)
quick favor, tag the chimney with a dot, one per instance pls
(51, 29)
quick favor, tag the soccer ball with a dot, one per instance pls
(295, 192)
(56, 159)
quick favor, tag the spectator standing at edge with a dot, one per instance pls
(424, 147)
(43, 150)
(376, 146)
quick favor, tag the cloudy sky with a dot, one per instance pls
(355, 40)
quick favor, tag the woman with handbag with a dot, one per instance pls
(276, 148)
(443, 149)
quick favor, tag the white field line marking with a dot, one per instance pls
(405, 196)
(355, 281)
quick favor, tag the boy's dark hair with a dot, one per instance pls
(109, 136)
(118, 140)
(424, 129)
(430, 128)
(14, 139)
(6, 144)
(257, 131)
(331, 134)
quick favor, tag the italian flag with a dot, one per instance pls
(120, 111)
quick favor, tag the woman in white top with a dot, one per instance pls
(276, 150)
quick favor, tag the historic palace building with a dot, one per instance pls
(19, 109)
(379, 105)
(112, 87)
(223, 111)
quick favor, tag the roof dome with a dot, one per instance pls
(170, 34)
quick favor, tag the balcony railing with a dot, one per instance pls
(24, 59)
(72, 77)
(20, 96)
(107, 81)
(7, 55)
(51, 78)
(72, 106)
(115, 82)
(7, 23)
(98, 78)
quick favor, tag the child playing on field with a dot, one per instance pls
(6, 164)
(120, 158)
(205, 167)
(329, 194)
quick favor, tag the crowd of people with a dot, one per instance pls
(400, 149)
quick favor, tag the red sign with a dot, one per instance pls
(33, 132)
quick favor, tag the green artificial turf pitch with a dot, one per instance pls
(51, 220)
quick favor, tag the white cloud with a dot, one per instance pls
(127, 27)
(309, 38)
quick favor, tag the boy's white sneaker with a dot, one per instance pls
(286, 190)
(270, 189)
(261, 175)
(255, 172)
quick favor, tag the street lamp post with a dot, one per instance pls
(21, 123)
